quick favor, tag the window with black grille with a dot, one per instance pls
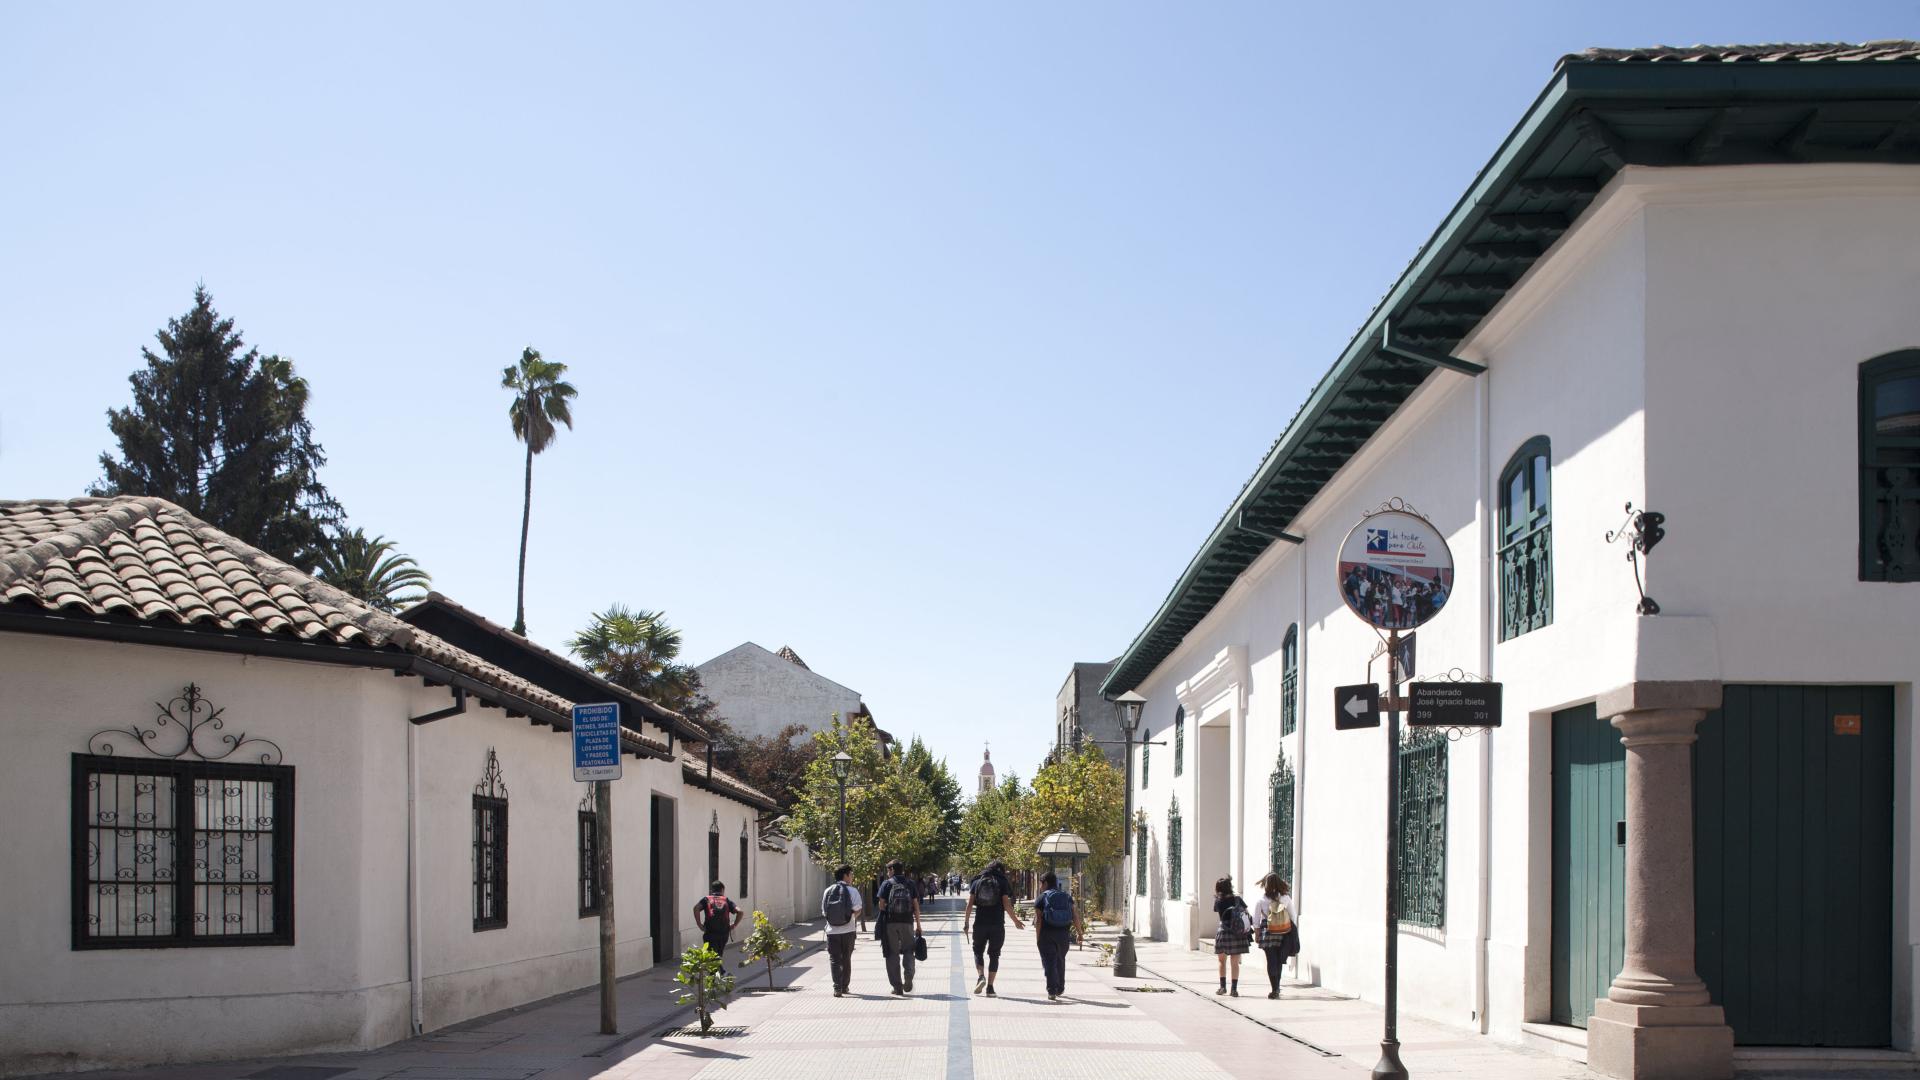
(589, 864)
(1890, 467)
(172, 853)
(743, 865)
(489, 862)
(713, 854)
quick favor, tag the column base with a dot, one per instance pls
(1659, 1042)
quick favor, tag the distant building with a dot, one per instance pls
(1080, 713)
(987, 779)
(759, 692)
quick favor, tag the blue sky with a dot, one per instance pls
(930, 340)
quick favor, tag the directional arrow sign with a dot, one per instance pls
(1356, 706)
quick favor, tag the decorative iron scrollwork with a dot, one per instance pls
(493, 784)
(187, 726)
(1642, 530)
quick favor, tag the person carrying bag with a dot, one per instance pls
(1275, 928)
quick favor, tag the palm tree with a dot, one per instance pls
(637, 650)
(371, 570)
(540, 398)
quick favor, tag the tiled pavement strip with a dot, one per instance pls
(942, 1031)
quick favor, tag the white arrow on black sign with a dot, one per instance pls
(1356, 706)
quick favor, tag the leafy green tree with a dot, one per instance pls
(776, 764)
(370, 569)
(890, 812)
(223, 431)
(638, 650)
(764, 944)
(708, 986)
(946, 795)
(541, 399)
(988, 828)
(1083, 793)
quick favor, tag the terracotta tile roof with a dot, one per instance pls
(1762, 54)
(694, 768)
(149, 560)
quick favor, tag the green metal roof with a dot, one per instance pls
(1603, 110)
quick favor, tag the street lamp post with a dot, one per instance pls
(1125, 960)
(842, 761)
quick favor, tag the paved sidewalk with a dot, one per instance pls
(1344, 1025)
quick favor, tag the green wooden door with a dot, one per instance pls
(1589, 861)
(1793, 866)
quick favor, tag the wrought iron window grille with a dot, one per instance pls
(187, 726)
(1173, 849)
(1422, 852)
(589, 862)
(1146, 758)
(490, 847)
(1140, 857)
(1179, 740)
(742, 890)
(713, 848)
(1890, 467)
(1290, 683)
(1526, 539)
(172, 853)
(1280, 810)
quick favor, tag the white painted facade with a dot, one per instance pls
(360, 972)
(760, 692)
(1692, 344)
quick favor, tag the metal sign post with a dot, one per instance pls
(1395, 572)
(596, 758)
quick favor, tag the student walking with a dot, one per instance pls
(899, 900)
(1273, 923)
(989, 906)
(1234, 935)
(1056, 925)
(843, 910)
(716, 916)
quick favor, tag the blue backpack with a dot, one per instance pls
(1056, 908)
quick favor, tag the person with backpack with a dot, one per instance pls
(1273, 923)
(989, 905)
(1235, 934)
(900, 904)
(716, 916)
(1056, 924)
(842, 908)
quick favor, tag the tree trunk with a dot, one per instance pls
(526, 518)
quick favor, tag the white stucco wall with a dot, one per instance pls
(1691, 346)
(759, 693)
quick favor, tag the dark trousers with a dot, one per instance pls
(1276, 960)
(840, 957)
(987, 939)
(718, 942)
(1053, 956)
(899, 953)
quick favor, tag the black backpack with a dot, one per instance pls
(987, 891)
(899, 899)
(839, 904)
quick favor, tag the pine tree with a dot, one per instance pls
(223, 431)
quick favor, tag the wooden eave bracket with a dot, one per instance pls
(1270, 534)
(1425, 356)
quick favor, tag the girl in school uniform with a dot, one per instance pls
(1274, 927)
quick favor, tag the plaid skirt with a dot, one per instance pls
(1228, 941)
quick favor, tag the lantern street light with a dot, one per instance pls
(1070, 846)
(1125, 959)
(842, 762)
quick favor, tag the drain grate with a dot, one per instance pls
(717, 1031)
(1146, 989)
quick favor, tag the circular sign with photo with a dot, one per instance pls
(1396, 570)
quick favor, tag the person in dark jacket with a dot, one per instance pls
(989, 906)
(1055, 939)
(1234, 936)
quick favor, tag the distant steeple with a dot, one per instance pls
(987, 782)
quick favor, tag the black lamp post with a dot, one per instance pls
(1125, 960)
(842, 761)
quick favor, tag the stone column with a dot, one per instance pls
(1657, 1021)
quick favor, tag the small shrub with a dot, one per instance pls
(765, 944)
(707, 984)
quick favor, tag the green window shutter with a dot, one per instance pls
(1280, 818)
(1173, 850)
(1526, 539)
(1179, 740)
(1423, 829)
(1140, 859)
(1290, 684)
(1890, 467)
(1146, 758)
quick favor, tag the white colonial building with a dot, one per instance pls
(761, 692)
(251, 815)
(1689, 280)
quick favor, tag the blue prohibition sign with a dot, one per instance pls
(596, 742)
